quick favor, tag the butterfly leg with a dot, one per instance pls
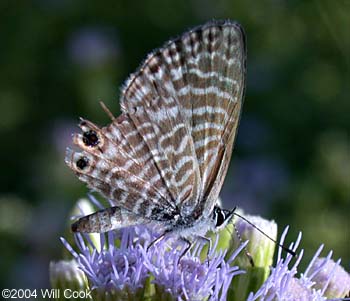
(157, 240)
(249, 256)
(189, 245)
(205, 240)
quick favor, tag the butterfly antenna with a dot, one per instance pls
(108, 112)
(269, 237)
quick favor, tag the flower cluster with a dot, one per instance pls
(126, 265)
(315, 284)
(125, 268)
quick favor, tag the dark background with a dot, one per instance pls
(59, 58)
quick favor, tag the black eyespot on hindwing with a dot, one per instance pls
(82, 163)
(90, 138)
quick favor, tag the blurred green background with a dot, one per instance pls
(59, 58)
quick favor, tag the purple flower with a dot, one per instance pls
(124, 266)
(65, 274)
(283, 284)
(187, 277)
(329, 277)
(112, 270)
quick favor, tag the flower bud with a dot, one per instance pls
(259, 252)
(339, 279)
(65, 274)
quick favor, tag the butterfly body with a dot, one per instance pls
(164, 159)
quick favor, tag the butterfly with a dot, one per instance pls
(163, 161)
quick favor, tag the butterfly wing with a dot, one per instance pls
(169, 151)
(202, 74)
(120, 167)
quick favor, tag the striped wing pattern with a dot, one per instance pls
(204, 70)
(167, 154)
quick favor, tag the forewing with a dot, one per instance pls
(202, 75)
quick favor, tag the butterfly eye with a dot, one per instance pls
(82, 163)
(90, 138)
(219, 216)
(220, 219)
